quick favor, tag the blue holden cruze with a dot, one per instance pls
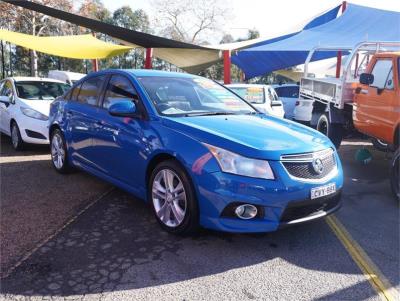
(197, 152)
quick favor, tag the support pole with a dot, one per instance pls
(149, 58)
(227, 67)
(95, 62)
(339, 53)
(3, 63)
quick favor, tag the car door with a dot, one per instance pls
(374, 111)
(6, 91)
(118, 143)
(81, 112)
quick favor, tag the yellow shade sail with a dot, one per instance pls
(76, 47)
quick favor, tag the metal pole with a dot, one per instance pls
(95, 63)
(3, 64)
(227, 67)
(339, 53)
(149, 57)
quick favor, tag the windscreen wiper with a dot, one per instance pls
(209, 114)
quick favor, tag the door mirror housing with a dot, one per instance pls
(366, 79)
(6, 99)
(123, 109)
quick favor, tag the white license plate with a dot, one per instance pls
(321, 191)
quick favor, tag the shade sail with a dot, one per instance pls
(76, 47)
(357, 24)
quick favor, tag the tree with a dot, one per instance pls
(190, 21)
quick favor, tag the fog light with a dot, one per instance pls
(246, 211)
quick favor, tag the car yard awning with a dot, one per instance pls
(76, 47)
(357, 24)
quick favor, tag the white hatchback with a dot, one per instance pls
(263, 97)
(24, 108)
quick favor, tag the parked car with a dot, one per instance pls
(65, 76)
(289, 95)
(195, 151)
(263, 97)
(24, 108)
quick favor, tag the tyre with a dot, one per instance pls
(380, 145)
(58, 151)
(16, 139)
(173, 198)
(394, 175)
(333, 131)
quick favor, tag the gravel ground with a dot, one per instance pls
(35, 201)
(116, 251)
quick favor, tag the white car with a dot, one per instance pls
(263, 97)
(65, 76)
(288, 94)
(24, 108)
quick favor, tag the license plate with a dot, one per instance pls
(321, 191)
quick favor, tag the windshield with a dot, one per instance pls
(177, 96)
(251, 94)
(40, 90)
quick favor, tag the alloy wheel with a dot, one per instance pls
(14, 136)
(57, 151)
(169, 198)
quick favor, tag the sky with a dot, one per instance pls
(270, 18)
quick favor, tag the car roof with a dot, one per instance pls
(149, 72)
(33, 79)
(285, 85)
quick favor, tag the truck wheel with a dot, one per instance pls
(380, 145)
(333, 131)
(394, 175)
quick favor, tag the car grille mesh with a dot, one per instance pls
(301, 166)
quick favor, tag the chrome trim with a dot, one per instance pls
(308, 158)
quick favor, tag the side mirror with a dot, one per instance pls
(366, 79)
(6, 100)
(123, 109)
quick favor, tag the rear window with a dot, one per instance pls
(251, 94)
(290, 92)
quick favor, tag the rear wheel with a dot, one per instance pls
(333, 131)
(58, 148)
(394, 175)
(16, 139)
(173, 198)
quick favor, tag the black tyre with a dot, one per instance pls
(380, 145)
(16, 139)
(58, 151)
(394, 175)
(173, 199)
(333, 131)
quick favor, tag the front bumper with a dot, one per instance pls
(33, 130)
(283, 201)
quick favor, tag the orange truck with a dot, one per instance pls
(364, 97)
(376, 106)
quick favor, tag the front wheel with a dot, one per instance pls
(333, 131)
(58, 149)
(394, 175)
(16, 139)
(173, 198)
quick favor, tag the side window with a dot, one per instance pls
(90, 90)
(389, 81)
(74, 93)
(119, 88)
(381, 72)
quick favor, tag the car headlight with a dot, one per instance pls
(33, 114)
(239, 165)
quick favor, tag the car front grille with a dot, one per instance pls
(301, 166)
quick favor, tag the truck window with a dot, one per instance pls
(381, 72)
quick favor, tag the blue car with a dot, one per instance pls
(196, 152)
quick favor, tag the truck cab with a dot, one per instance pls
(376, 103)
